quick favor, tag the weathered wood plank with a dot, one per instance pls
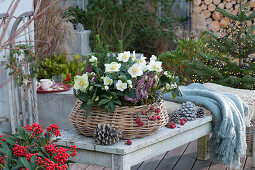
(217, 166)
(172, 157)
(135, 167)
(248, 164)
(152, 163)
(201, 165)
(242, 164)
(188, 159)
(78, 166)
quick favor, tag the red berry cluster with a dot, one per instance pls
(152, 114)
(35, 129)
(54, 128)
(68, 78)
(19, 150)
(173, 125)
(58, 156)
(2, 160)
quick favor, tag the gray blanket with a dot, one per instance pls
(228, 141)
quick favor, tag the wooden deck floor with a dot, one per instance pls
(181, 158)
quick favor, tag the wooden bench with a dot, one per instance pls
(121, 157)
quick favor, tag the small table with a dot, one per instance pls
(121, 157)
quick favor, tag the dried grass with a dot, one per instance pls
(52, 32)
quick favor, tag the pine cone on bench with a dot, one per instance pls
(188, 110)
(105, 134)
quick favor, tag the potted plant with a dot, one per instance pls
(123, 91)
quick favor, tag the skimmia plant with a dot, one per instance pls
(31, 149)
(123, 80)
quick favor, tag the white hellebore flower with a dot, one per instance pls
(106, 88)
(124, 56)
(142, 62)
(121, 86)
(153, 57)
(133, 56)
(135, 70)
(107, 81)
(155, 66)
(130, 83)
(112, 67)
(93, 59)
(81, 82)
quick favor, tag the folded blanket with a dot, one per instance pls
(228, 141)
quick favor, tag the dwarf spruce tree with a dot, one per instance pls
(238, 42)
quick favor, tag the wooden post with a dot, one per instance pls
(203, 148)
(253, 150)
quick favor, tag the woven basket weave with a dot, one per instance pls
(123, 118)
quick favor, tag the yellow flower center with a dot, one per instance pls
(112, 68)
(154, 66)
(82, 82)
(108, 81)
(135, 70)
(121, 86)
(124, 56)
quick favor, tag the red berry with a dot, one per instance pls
(158, 110)
(173, 126)
(138, 120)
(182, 122)
(153, 118)
(185, 119)
(129, 142)
(152, 108)
(140, 124)
(158, 117)
(143, 112)
(4, 157)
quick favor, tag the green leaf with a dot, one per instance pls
(107, 107)
(103, 101)
(118, 102)
(112, 106)
(83, 105)
(45, 151)
(32, 161)
(88, 109)
(22, 132)
(25, 162)
(11, 140)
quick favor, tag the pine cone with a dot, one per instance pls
(175, 117)
(200, 112)
(188, 110)
(105, 134)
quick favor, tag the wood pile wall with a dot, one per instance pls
(205, 10)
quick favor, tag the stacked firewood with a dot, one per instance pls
(214, 20)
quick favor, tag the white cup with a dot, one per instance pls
(46, 84)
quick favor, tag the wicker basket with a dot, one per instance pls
(124, 118)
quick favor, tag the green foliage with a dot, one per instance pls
(76, 16)
(186, 52)
(58, 65)
(222, 71)
(138, 24)
(239, 43)
(19, 57)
